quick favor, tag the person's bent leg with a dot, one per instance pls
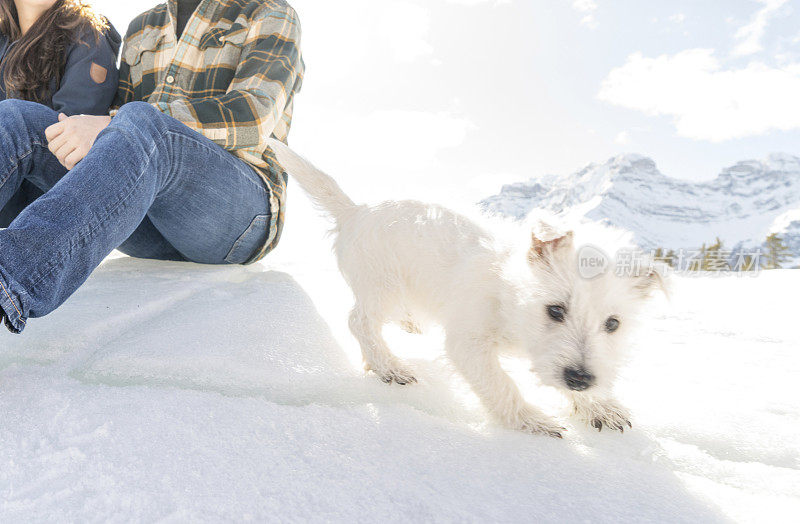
(23, 155)
(26, 194)
(216, 208)
(210, 205)
(148, 242)
(23, 150)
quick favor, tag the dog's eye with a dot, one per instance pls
(612, 324)
(557, 313)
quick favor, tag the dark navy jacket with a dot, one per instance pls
(77, 93)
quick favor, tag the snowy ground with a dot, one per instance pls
(176, 392)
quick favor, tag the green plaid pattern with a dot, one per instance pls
(232, 77)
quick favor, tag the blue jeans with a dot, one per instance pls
(150, 186)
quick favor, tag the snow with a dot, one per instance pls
(176, 392)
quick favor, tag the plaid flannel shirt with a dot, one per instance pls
(232, 77)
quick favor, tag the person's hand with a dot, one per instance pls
(73, 136)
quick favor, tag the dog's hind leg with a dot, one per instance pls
(377, 355)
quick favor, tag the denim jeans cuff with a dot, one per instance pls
(11, 303)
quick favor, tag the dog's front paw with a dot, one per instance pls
(531, 420)
(603, 413)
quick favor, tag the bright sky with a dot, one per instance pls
(436, 99)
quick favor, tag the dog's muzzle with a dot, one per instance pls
(578, 379)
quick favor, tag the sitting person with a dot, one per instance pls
(180, 172)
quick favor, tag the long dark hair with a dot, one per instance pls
(39, 55)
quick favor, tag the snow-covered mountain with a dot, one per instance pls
(742, 205)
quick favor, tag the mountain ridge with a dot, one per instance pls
(742, 205)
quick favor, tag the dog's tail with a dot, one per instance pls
(321, 188)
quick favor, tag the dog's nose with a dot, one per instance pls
(578, 379)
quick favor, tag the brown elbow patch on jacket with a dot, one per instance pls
(98, 73)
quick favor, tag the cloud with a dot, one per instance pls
(384, 136)
(584, 6)
(406, 27)
(623, 138)
(749, 36)
(476, 2)
(401, 150)
(587, 8)
(678, 18)
(705, 100)
(425, 133)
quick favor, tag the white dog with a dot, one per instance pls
(409, 262)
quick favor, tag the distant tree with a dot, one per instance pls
(777, 253)
(669, 258)
(715, 258)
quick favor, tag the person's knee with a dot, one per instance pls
(26, 116)
(18, 106)
(140, 114)
(140, 119)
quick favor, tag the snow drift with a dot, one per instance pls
(182, 392)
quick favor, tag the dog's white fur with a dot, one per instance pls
(411, 263)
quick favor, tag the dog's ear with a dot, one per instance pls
(543, 249)
(654, 279)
